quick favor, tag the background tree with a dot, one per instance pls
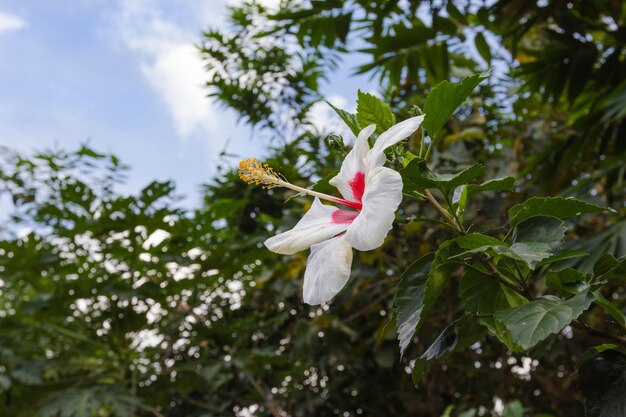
(116, 305)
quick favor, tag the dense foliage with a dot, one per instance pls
(502, 280)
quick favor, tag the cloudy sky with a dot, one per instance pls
(124, 76)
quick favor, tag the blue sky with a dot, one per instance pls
(124, 76)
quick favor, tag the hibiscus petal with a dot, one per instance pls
(376, 157)
(327, 270)
(317, 225)
(382, 197)
(351, 178)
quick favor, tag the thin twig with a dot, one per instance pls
(432, 200)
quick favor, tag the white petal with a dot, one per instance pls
(353, 165)
(395, 134)
(315, 226)
(383, 194)
(327, 270)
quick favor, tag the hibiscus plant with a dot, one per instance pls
(520, 282)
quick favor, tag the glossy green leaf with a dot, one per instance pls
(531, 323)
(538, 238)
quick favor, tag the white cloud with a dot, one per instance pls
(177, 74)
(10, 22)
(168, 58)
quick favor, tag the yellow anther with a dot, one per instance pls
(254, 172)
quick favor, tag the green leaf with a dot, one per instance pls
(607, 269)
(513, 409)
(610, 308)
(444, 99)
(476, 240)
(416, 176)
(593, 351)
(538, 238)
(566, 281)
(559, 207)
(533, 322)
(481, 294)
(483, 47)
(535, 239)
(445, 342)
(409, 300)
(349, 119)
(371, 110)
(602, 379)
(563, 256)
(496, 184)
(463, 332)
(604, 264)
(448, 411)
(418, 290)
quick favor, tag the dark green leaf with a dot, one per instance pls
(417, 177)
(349, 119)
(603, 265)
(409, 300)
(610, 308)
(419, 289)
(593, 351)
(497, 184)
(612, 271)
(559, 207)
(563, 256)
(566, 281)
(481, 294)
(463, 332)
(483, 47)
(476, 240)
